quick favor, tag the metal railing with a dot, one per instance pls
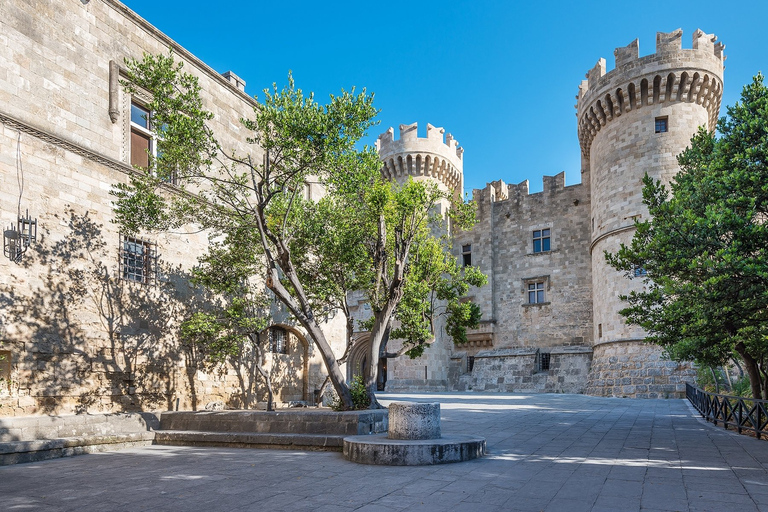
(743, 414)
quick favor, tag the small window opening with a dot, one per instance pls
(470, 363)
(544, 360)
(661, 125)
(278, 340)
(466, 255)
(599, 330)
(541, 240)
(536, 293)
(138, 260)
(5, 368)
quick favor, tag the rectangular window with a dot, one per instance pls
(544, 360)
(541, 240)
(137, 260)
(278, 340)
(470, 363)
(142, 137)
(661, 125)
(640, 271)
(536, 293)
(466, 255)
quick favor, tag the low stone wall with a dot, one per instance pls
(515, 370)
(301, 421)
(34, 438)
(635, 369)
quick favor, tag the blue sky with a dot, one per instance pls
(500, 76)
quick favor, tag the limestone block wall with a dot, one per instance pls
(502, 247)
(515, 371)
(636, 369)
(79, 337)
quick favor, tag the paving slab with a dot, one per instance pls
(545, 452)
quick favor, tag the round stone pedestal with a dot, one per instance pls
(414, 439)
(408, 420)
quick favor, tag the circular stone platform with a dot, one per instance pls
(379, 449)
(414, 439)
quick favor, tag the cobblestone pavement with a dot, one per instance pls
(546, 452)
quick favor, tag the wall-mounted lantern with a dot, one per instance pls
(17, 238)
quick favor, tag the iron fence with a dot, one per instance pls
(743, 414)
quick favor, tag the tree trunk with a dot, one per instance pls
(379, 334)
(755, 380)
(315, 333)
(714, 378)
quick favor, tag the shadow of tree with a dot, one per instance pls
(89, 340)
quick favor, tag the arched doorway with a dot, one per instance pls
(357, 363)
(287, 357)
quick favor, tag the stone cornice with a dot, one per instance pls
(178, 49)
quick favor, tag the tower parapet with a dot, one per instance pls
(671, 75)
(431, 157)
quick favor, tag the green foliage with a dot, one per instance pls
(704, 247)
(360, 397)
(365, 234)
(241, 313)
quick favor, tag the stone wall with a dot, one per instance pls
(637, 370)
(79, 336)
(516, 370)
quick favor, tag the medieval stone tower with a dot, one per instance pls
(635, 120)
(437, 158)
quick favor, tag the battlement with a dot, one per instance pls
(672, 74)
(703, 45)
(497, 191)
(410, 141)
(438, 155)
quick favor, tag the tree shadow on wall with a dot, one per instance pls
(88, 340)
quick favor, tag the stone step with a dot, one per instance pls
(15, 452)
(284, 441)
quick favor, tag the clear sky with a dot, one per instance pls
(501, 76)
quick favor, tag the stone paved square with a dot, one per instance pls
(546, 452)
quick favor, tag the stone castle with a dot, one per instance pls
(550, 310)
(89, 317)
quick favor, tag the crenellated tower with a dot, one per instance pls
(435, 158)
(635, 120)
(439, 159)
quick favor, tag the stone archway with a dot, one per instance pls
(357, 363)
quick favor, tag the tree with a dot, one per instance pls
(230, 331)
(413, 278)
(362, 235)
(293, 137)
(704, 249)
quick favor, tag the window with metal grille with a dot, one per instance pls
(470, 363)
(278, 340)
(541, 240)
(138, 260)
(661, 125)
(544, 360)
(466, 255)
